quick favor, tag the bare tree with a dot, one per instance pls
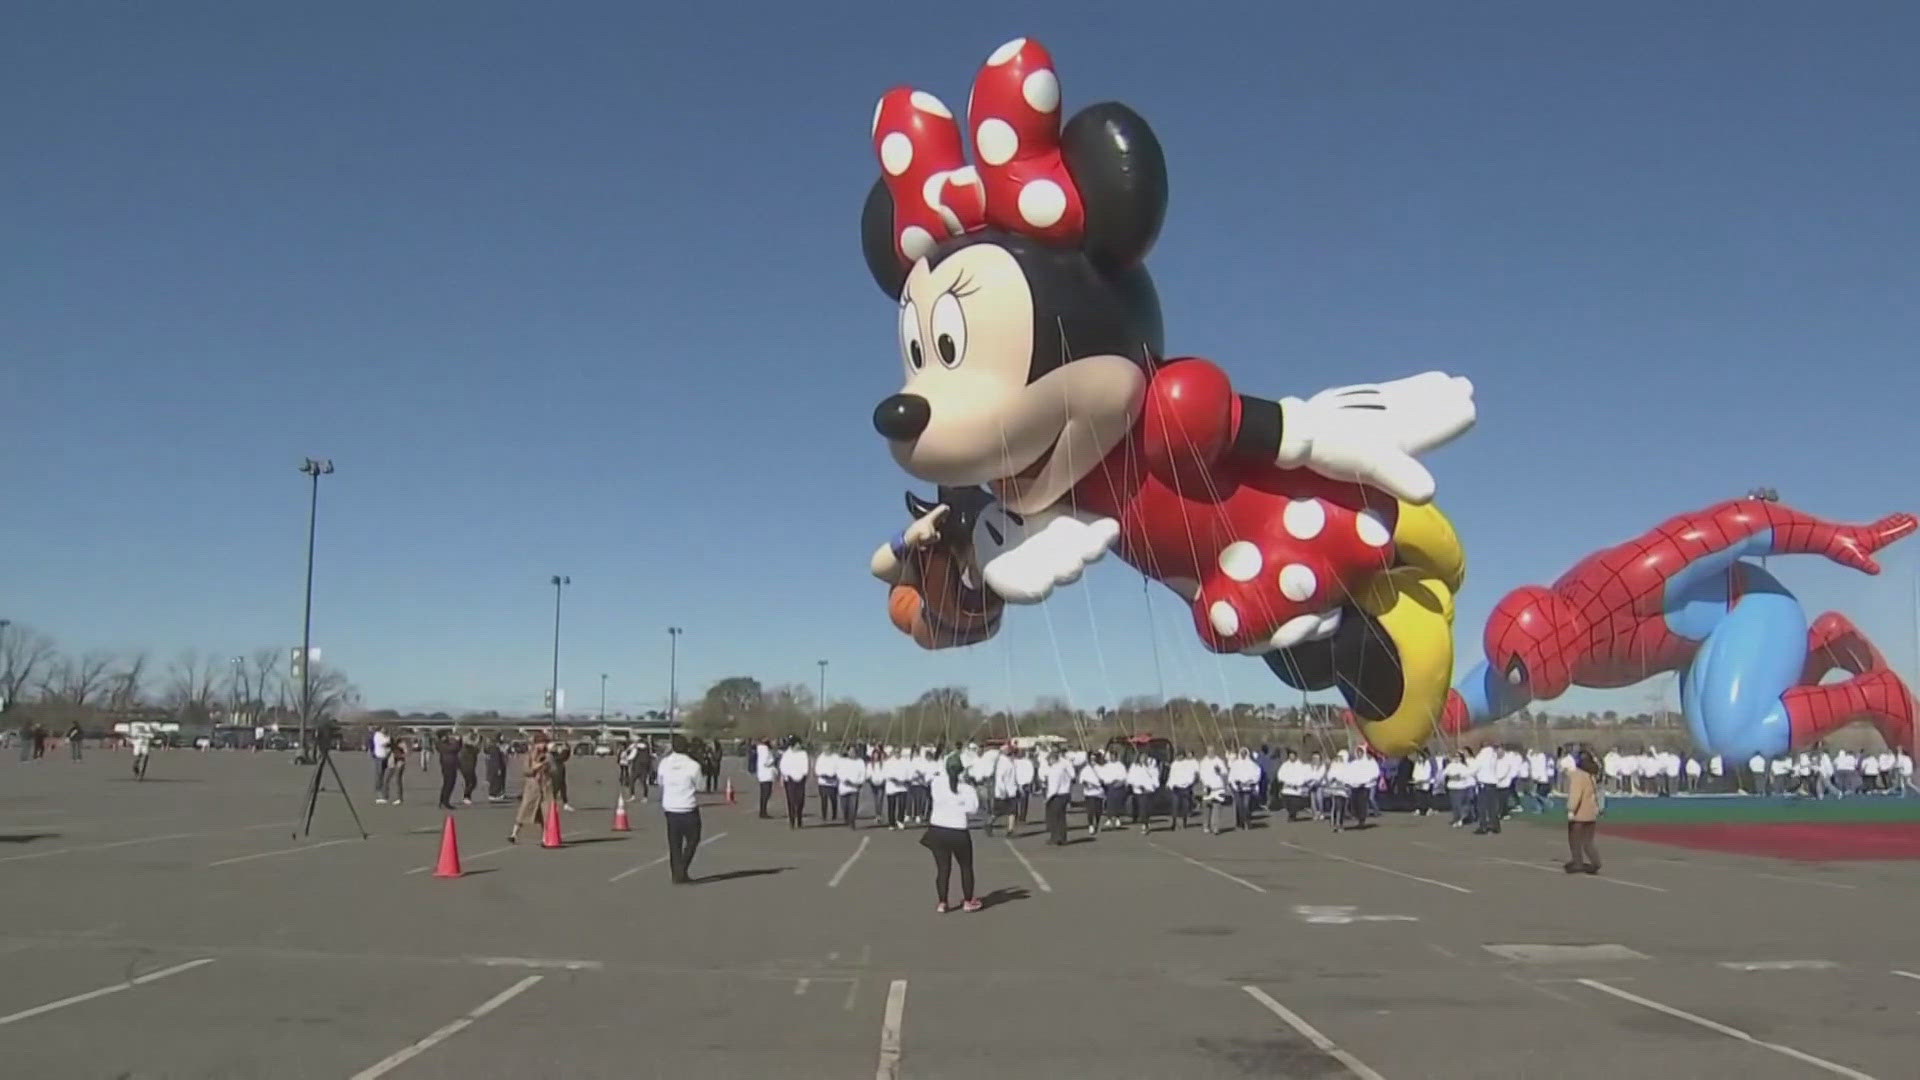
(190, 682)
(24, 653)
(332, 693)
(78, 681)
(126, 688)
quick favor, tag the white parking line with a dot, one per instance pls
(468, 858)
(1906, 974)
(1240, 881)
(1552, 870)
(1354, 1065)
(1031, 872)
(137, 840)
(624, 874)
(1373, 866)
(152, 976)
(1803, 880)
(281, 851)
(848, 865)
(890, 1031)
(1732, 1033)
(394, 1061)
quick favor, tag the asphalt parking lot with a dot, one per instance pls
(175, 928)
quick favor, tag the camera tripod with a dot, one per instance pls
(321, 765)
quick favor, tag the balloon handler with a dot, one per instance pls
(1039, 397)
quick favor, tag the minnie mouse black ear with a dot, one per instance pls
(1121, 173)
(876, 241)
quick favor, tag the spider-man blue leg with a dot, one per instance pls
(1746, 690)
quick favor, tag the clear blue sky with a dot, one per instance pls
(577, 289)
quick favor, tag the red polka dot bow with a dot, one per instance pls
(1020, 184)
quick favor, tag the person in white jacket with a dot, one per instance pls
(1113, 775)
(1182, 776)
(1006, 790)
(853, 777)
(1143, 783)
(1294, 778)
(947, 836)
(1243, 775)
(826, 780)
(894, 774)
(1056, 776)
(1218, 794)
(793, 771)
(1093, 791)
(766, 772)
(1024, 776)
(1363, 779)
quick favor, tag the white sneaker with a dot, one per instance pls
(379, 802)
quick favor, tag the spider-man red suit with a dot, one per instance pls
(1682, 598)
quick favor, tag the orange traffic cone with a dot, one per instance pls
(620, 822)
(551, 837)
(729, 791)
(449, 851)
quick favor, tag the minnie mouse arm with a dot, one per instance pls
(1194, 421)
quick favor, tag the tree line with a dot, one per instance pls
(739, 706)
(39, 683)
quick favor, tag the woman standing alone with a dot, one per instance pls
(947, 836)
(1583, 814)
(536, 789)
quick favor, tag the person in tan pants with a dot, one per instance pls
(1583, 814)
(536, 789)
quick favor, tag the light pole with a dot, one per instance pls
(233, 708)
(6, 688)
(823, 694)
(314, 468)
(603, 699)
(553, 711)
(673, 677)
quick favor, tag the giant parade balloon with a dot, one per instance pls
(1685, 597)
(1038, 397)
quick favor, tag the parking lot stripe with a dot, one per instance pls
(468, 858)
(152, 976)
(1354, 1065)
(394, 1061)
(1031, 872)
(281, 851)
(1559, 870)
(1240, 881)
(1730, 1032)
(1373, 866)
(890, 1031)
(135, 840)
(624, 874)
(848, 865)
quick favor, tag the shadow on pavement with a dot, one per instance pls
(734, 874)
(1002, 896)
(28, 838)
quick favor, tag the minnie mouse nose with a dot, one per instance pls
(902, 417)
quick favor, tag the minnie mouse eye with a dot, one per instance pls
(910, 336)
(949, 330)
(914, 357)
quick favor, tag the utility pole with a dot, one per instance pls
(673, 676)
(823, 694)
(315, 469)
(603, 699)
(553, 704)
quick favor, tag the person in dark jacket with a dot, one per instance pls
(496, 770)
(469, 763)
(448, 750)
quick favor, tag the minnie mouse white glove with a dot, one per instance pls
(1025, 558)
(1370, 433)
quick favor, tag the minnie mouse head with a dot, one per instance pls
(1027, 323)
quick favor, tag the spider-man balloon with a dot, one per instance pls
(1682, 597)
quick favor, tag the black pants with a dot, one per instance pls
(1182, 806)
(497, 783)
(950, 846)
(1057, 819)
(1096, 809)
(468, 781)
(1359, 804)
(894, 799)
(796, 802)
(827, 798)
(447, 777)
(766, 795)
(850, 804)
(1242, 808)
(1295, 804)
(1487, 807)
(1020, 804)
(683, 838)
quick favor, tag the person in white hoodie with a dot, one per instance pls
(793, 771)
(1143, 783)
(1093, 791)
(1218, 792)
(1293, 777)
(766, 771)
(853, 777)
(1182, 775)
(1006, 791)
(926, 763)
(1113, 775)
(1243, 775)
(1339, 776)
(1024, 775)
(1363, 774)
(895, 773)
(826, 780)
(947, 836)
(1057, 778)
